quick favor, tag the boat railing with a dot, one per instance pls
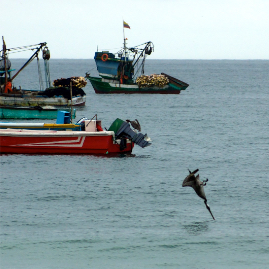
(175, 80)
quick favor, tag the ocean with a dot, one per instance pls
(132, 212)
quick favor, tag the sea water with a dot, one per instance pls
(132, 212)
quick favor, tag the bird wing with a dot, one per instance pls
(189, 181)
(194, 172)
(138, 125)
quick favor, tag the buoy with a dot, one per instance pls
(104, 57)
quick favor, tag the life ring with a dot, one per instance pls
(104, 57)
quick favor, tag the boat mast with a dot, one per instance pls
(125, 25)
(5, 61)
(71, 97)
(124, 44)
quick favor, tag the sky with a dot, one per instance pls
(179, 29)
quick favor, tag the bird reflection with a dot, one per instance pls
(196, 228)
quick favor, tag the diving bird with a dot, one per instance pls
(135, 124)
(194, 181)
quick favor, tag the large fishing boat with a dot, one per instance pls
(63, 137)
(51, 95)
(123, 72)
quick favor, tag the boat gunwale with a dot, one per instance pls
(50, 133)
(42, 101)
(117, 88)
(116, 84)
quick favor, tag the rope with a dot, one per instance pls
(88, 72)
(19, 51)
(39, 74)
(95, 116)
(24, 47)
(140, 67)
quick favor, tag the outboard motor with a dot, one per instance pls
(137, 138)
(123, 129)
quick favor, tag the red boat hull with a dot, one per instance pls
(60, 142)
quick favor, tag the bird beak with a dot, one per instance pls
(209, 210)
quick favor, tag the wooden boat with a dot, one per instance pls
(119, 73)
(102, 85)
(46, 112)
(28, 98)
(52, 95)
(84, 137)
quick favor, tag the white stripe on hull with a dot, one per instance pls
(77, 143)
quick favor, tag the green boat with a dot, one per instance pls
(123, 72)
(102, 85)
(30, 112)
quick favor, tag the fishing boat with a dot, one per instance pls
(84, 137)
(123, 72)
(46, 112)
(51, 95)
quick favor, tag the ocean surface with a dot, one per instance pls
(132, 212)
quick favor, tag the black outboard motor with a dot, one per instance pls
(137, 138)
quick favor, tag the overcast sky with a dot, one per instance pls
(179, 29)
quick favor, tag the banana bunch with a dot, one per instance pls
(78, 82)
(152, 80)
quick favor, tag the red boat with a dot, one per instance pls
(60, 142)
(86, 138)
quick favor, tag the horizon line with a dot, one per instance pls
(196, 59)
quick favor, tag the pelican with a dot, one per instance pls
(194, 181)
(135, 124)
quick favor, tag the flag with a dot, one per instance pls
(126, 25)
